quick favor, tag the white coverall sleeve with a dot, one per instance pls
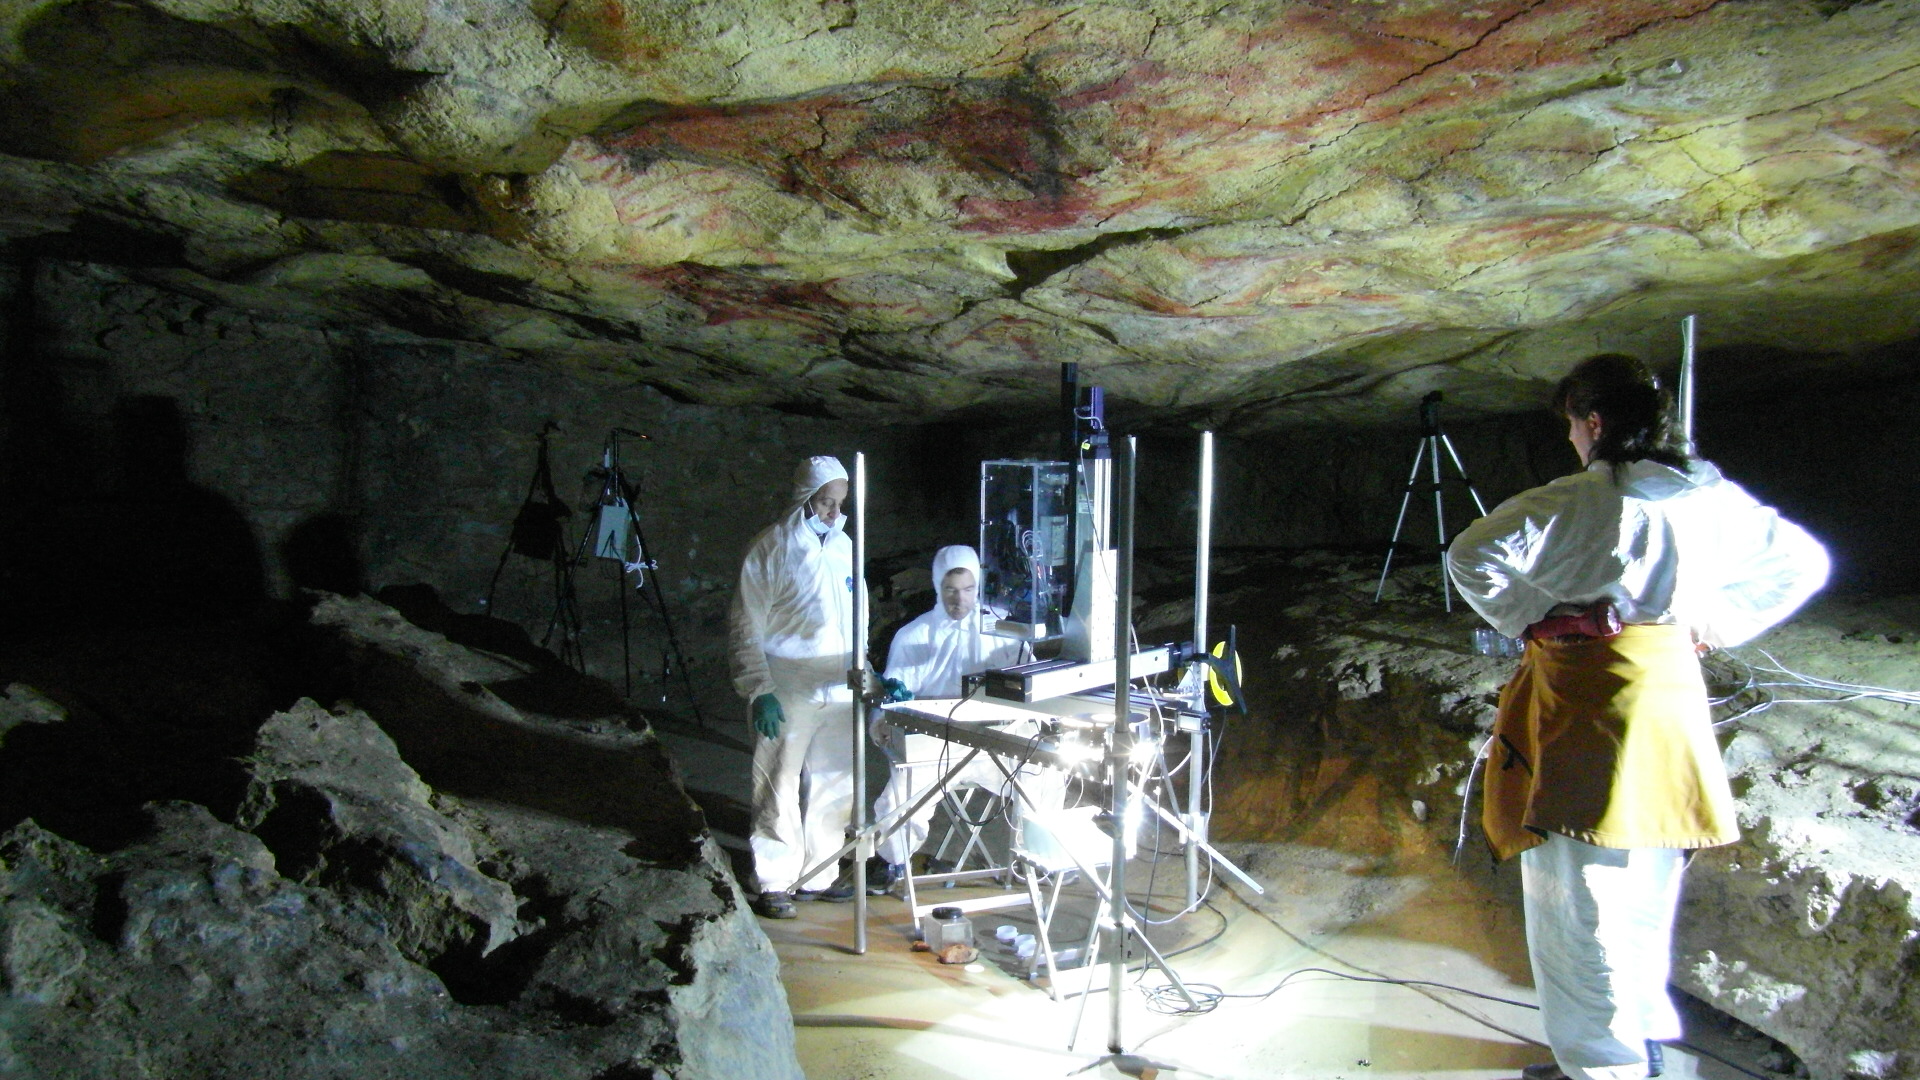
(1762, 569)
(1493, 562)
(747, 623)
(908, 654)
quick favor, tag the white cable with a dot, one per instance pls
(1844, 692)
(1466, 797)
(1909, 697)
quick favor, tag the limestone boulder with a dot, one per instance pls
(22, 704)
(429, 882)
(630, 918)
(339, 808)
(187, 955)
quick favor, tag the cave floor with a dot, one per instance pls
(902, 1015)
(896, 1014)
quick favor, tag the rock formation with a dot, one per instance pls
(1250, 214)
(565, 915)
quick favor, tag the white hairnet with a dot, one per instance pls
(956, 557)
(814, 474)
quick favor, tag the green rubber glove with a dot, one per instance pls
(767, 716)
(896, 690)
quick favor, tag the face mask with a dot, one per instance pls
(822, 529)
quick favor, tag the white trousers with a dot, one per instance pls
(1600, 936)
(927, 759)
(802, 794)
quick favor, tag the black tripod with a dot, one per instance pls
(538, 534)
(1431, 440)
(614, 534)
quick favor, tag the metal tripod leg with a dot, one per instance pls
(666, 620)
(875, 832)
(1461, 471)
(1440, 522)
(1406, 497)
(1042, 920)
(1439, 515)
(1429, 449)
(1126, 927)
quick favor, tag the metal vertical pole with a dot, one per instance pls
(1440, 519)
(626, 630)
(1687, 338)
(1197, 739)
(856, 676)
(1203, 542)
(1120, 745)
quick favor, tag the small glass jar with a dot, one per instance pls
(944, 926)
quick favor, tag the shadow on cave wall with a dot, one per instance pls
(1835, 456)
(132, 542)
(129, 594)
(137, 600)
(323, 552)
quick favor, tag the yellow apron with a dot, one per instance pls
(1607, 741)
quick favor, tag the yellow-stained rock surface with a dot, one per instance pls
(1255, 214)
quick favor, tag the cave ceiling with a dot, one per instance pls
(1246, 215)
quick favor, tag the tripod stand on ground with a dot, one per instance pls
(538, 533)
(614, 534)
(1432, 439)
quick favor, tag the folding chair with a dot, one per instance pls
(968, 826)
(1055, 844)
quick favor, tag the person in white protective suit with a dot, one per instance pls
(927, 658)
(792, 645)
(1603, 772)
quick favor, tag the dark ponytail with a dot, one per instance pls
(1636, 417)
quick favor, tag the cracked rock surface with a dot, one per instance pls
(1250, 215)
(358, 917)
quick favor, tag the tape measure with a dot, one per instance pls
(1218, 686)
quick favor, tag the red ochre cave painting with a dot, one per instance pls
(731, 296)
(1158, 121)
(1531, 239)
(994, 131)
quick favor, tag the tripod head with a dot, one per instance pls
(613, 481)
(1430, 414)
(610, 450)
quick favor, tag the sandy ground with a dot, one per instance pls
(1349, 779)
(896, 1014)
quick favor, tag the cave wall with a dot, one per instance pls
(1841, 459)
(168, 455)
(162, 451)
(1835, 450)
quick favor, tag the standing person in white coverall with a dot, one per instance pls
(928, 656)
(1604, 773)
(792, 643)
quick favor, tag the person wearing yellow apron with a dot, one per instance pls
(1603, 772)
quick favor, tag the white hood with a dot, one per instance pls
(949, 559)
(814, 474)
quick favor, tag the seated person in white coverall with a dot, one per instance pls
(929, 655)
(792, 634)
